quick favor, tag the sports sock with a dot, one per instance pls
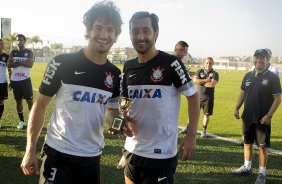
(1, 110)
(21, 116)
(262, 170)
(204, 127)
(248, 164)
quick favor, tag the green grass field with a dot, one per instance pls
(211, 163)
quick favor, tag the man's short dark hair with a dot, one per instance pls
(105, 10)
(210, 58)
(21, 36)
(144, 14)
(183, 43)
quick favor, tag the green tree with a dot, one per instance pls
(56, 48)
(34, 40)
(9, 40)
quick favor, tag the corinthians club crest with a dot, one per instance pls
(109, 80)
(157, 75)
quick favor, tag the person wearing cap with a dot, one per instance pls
(271, 68)
(261, 95)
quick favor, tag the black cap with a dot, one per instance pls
(261, 52)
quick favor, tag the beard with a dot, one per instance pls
(144, 48)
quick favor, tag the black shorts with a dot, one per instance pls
(3, 91)
(60, 168)
(143, 170)
(257, 132)
(207, 105)
(22, 89)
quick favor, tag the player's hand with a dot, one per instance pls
(188, 145)
(129, 128)
(265, 120)
(236, 114)
(29, 164)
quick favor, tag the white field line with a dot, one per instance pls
(234, 141)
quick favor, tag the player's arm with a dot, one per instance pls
(199, 81)
(211, 84)
(276, 102)
(29, 62)
(29, 163)
(193, 114)
(239, 103)
(11, 63)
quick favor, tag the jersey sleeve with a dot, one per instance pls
(276, 86)
(52, 78)
(123, 86)
(243, 86)
(216, 76)
(181, 79)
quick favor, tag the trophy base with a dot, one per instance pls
(117, 126)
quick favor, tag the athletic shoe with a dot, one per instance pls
(260, 179)
(21, 125)
(203, 134)
(184, 131)
(242, 171)
(121, 163)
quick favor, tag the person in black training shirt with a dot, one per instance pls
(3, 77)
(21, 61)
(261, 95)
(206, 80)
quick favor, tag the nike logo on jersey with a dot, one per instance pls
(78, 73)
(131, 75)
(160, 179)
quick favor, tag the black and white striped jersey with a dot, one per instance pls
(83, 90)
(156, 87)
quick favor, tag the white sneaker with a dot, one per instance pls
(203, 134)
(21, 125)
(121, 163)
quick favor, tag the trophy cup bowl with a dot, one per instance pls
(119, 120)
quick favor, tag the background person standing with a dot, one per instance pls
(206, 80)
(21, 61)
(261, 94)
(3, 78)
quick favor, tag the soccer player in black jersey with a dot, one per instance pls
(86, 86)
(261, 94)
(3, 77)
(21, 61)
(155, 81)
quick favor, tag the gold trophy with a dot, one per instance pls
(118, 122)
